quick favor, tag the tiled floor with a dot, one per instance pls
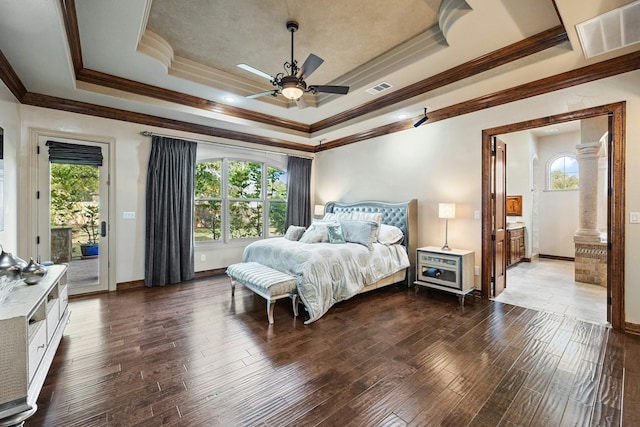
(548, 285)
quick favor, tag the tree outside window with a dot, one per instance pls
(563, 174)
(244, 208)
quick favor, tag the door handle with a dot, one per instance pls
(103, 229)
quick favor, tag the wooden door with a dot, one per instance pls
(499, 184)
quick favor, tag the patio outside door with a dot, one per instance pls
(73, 211)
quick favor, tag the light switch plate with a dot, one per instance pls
(129, 215)
(634, 217)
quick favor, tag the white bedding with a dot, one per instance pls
(327, 273)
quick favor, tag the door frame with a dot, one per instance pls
(30, 202)
(615, 201)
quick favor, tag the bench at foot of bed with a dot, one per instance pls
(270, 284)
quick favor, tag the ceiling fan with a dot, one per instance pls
(291, 84)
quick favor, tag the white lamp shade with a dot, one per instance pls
(318, 210)
(447, 210)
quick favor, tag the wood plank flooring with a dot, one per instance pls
(190, 355)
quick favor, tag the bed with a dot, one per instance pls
(328, 273)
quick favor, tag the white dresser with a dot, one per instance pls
(32, 320)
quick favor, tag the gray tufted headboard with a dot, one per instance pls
(403, 215)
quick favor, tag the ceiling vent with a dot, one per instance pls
(380, 87)
(612, 30)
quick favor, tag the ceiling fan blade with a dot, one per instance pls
(341, 90)
(255, 71)
(273, 92)
(301, 103)
(310, 65)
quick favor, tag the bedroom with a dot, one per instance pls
(439, 161)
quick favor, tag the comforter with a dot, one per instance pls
(327, 273)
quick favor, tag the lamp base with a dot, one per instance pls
(446, 247)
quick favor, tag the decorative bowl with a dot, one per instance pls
(33, 272)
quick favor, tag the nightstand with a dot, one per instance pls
(450, 271)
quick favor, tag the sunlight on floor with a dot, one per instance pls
(548, 285)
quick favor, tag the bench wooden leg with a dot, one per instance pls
(296, 300)
(233, 287)
(270, 307)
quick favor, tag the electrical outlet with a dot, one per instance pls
(476, 214)
(477, 270)
(634, 217)
(203, 257)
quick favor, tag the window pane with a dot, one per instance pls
(208, 179)
(277, 213)
(245, 179)
(563, 174)
(207, 220)
(245, 219)
(277, 181)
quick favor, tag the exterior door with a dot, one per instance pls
(73, 207)
(499, 184)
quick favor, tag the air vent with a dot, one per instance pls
(380, 87)
(612, 30)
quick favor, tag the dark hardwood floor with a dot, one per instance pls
(189, 355)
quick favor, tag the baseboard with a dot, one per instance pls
(127, 286)
(632, 328)
(139, 284)
(559, 258)
(210, 273)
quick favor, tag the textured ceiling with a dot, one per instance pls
(345, 34)
(175, 62)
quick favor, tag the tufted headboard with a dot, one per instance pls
(403, 215)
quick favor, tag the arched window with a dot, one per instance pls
(563, 173)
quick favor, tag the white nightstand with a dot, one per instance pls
(450, 271)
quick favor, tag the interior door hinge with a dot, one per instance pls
(609, 246)
(38, 149)
(38, 195)
(37, 240)
(608, 300)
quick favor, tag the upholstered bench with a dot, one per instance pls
(270, 284)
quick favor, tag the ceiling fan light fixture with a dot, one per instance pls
(292, 88)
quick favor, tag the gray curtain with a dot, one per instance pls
(298, 192)
(169, 216)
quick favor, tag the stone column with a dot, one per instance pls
(588, 155)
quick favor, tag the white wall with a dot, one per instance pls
(10, 123)
(441, 161)
(558, 210)
(519, 176)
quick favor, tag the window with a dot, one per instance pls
(563, 173)
(238, 199)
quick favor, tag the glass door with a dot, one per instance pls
(73, 211)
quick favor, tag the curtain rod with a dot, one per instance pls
(148, 133)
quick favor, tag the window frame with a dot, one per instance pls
(226, 156)
(548, 171)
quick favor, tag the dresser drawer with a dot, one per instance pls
(37, 347)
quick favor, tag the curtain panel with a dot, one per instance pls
(298, 192)
(169, 246)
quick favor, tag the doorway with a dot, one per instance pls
(73, 195)
(615, 200)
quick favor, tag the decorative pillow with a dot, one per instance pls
(317, 232)
(390, 235)
(362, 232)
(355, 215)
(294, 232)
(335, 234)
